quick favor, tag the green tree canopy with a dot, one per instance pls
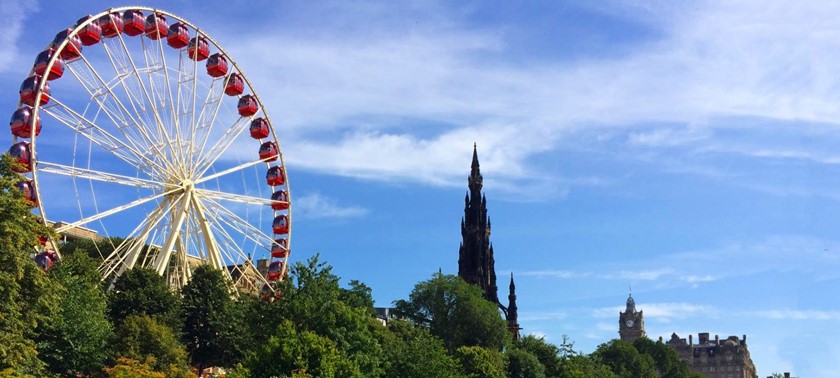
(143, 291)
(665, 358)
(548, 354)
(625, 361)
(523, 364)
(478, 362)
(140, 337)
(213, 330)
(411, 351)
(26, 295)
(456, 312)
(76, 338)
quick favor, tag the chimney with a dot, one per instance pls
(691, 340)
(704, 338)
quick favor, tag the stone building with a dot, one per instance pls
(716, 358)
(631, 323)
(476, 264)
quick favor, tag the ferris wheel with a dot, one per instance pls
(137, 129)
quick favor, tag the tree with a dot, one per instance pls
(523, 364)
(581, 366)
(97, 250)
(140, 337)
(128, 368)
(456, 312)
(665, 358)
(478, 362)
(143, 291)
(411, 351)
(548, 354)
(213, 330)
(289, 352)
(625, 361)
(76, 338)
(26, 295)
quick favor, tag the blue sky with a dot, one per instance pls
(686, 149)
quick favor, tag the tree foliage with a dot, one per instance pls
(478, 362)
(26, 298)
(456, 312)
(625, 361)
(140, 337)
(144, 292)
(76, 338)
(213, 328)
(523, 364)
(665, 358)
(411, 351)
(547, 354)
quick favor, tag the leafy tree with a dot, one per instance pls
(625, 361)
(478, 362)
(456, 312)
(129, 368)
(143, 291)
(358, 295)
(140, 337)
(213, 330)
(523, 364)
(289, 352)
(26, 296)
(97, 250)
(581, 366)
(316, 302)
(76, 338)
(548, 354)
(411, 351)
(665, 358)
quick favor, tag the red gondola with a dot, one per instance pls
(274, 270)
(133, 22)
(234, 86)
(280, 200)
(268, 151)
(29, 89)
(73, 49)
(274, 176)
(248, 105)
(91, 33)
(28, 189)
(41, 65)
(42, 240)
(281, 225)
(198, 49)
(46, 259)
(217, 65)
(156, 26)
(179, 36)
(259, 128)
(21, 154)
(280, 248)
(20, 123)
(111, 24)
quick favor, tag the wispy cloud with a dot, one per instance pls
(797, 315)
(13, 13)
(664, 311)
(316, 206)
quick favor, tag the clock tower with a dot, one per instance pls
(631, 323)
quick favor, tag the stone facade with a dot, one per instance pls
(631, 323)
(716, 358)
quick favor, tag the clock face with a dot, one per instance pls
(629, 323)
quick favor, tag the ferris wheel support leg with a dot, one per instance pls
(165, 253)
(213, 254)
(129, 259)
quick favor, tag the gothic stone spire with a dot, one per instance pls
(475, 258)
(512, 316)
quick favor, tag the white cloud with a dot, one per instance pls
(798, 315)
(665, 311)
(316, 206)
(13, 13)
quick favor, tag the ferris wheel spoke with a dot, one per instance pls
(243, 227)
(99, 136)
(206, 119)
(76, 172)
(114, 210)
(181, 210)
(206, 193)
(210, 242)
(205, 161)
(126, 254)
(138, 96)
(230, 170)
(132, 129)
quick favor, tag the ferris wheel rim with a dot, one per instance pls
(191, 198)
